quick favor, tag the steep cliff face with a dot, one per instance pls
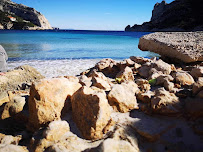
(20, 15)
(179, 15)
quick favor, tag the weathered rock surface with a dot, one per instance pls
(26, 13)
(12, 80)
(122, 97)
(47, 99)
(183, 46)
(165, 18)
(13, 148)
(184, 78)
(198, 86)
(91, 112)
(165, 102)
(125, 75)
(197, 72)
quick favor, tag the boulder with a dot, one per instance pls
(108, 67)
(184, 78)
(91, 112)
(145, 97)
(13, 107)
(165, 102)
(198, 86)
(122, 97)
(181, 46)
(125, 75)
(197, 72)
(12, 80)
(13, 148)
(47, 99)
(194, 107)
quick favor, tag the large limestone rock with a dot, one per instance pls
(122, 97)
(165, 102)
(186, 47)
(27, 13)
(47, 99)
(12, 80)
(91, 112)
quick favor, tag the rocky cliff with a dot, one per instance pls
(179, 15)
(19, 16)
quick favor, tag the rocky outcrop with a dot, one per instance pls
(165, 18)
(182, 46)
(19, 16)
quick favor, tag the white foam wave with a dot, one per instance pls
(54, 68)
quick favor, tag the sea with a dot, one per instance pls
(68, 52)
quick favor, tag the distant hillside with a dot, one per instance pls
(19, 16)
(179, 15)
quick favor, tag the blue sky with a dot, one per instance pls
(94, 14)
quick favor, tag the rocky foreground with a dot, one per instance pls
(137, 104)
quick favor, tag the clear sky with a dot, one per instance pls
(94, 14)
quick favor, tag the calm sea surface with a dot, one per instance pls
(56, 53)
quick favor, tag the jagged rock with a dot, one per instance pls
(8, 139)
(108, 67)
(184, 78)
(26, 13)
(178, 46)
(85, 81)
(3, 98)
(198, 86)
(162, 66)
(13, 107)
(165, 102)
(127, 62)
(145, 97)
(165, 81)
(91, 112)
(99, 80)
(169, 86)
(47, 99)
(194, 107)
(23, 74)
(114, 146)
(139, 60)
(125, 75)
(143, 85)
(144, 70)
(122, 97)
(197, 72)
(13, 148)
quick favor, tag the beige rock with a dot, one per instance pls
(169, 44)
(165, 103)
(122, 97)
(8, 139)
(126, 75)
(114, 146)
(3, 98)
(197, 72)
(162, 66)
(137, 66)
(139, 60)
(169, 86)
(198, 86)
(13, 107)
(23, 74)
(91, 112)
(99, 80)
(184, 78)
(194, 107)
(108, 67)
(1, 27)
(145, 97)
(143, 85)
(47, 99)
(163, 78)
(143, 71)
(55, 130)
(85, 81)
(12, 148)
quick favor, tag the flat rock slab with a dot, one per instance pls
(184, 46)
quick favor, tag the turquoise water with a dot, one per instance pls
(56, 53)
(47, 45)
